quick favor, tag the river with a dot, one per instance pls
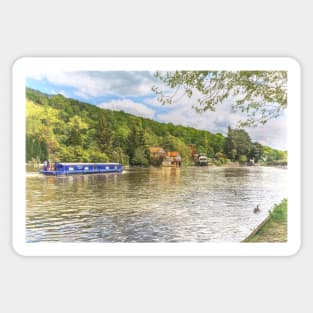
(189, 204)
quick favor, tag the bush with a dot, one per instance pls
(220, 155)
(140, 157)
(242, 159)
(280, 210)
(218, 162)
(97, 156)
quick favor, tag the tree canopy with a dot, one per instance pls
(261, 95)
(73, 131)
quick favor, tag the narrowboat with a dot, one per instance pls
(81, 168)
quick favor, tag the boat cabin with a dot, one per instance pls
(201, 160)
(81, 168)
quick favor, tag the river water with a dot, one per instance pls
(192, 204)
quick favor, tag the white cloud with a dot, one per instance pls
(273, 133)
(128, 106)
(59, 92)
(90, 84)
(183, 113)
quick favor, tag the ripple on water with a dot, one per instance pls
(152, 205)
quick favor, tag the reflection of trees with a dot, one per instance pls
(50, 188)
(235, 172)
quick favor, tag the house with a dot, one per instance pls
(156, 152)
(159, 156)
(156, 155)
(172, 159)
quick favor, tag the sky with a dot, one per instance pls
(131, 92)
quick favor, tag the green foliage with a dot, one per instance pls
(68, 130)
(256, 151)
(273, 155)
(237, 143)
(119, 156)
(279, 211)
(220, 155)
(262, 95)
(104, 133)
(35, 147)
(172, 143)
(276, 228)
(137, 146)
(139, 157)
(243, 159)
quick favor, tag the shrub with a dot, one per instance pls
(242, 159)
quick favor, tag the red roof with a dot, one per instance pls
(173, 154)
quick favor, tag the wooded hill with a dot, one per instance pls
(67, 130)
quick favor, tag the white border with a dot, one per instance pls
(25, 65)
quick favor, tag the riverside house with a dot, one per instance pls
(172, 159)
(159, 156)
(156, 155)
(156, 152)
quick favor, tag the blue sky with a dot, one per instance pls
(131, 92)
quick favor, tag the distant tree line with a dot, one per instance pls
(67, 130)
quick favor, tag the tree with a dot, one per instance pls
(77, 128)
(237, 143)
(205, 144)
(119, 156)
(137, 147)
(88, 133)
(262, 95)
(229, 145)
(104, 133)
(41, 122)
(256, 151)
(35, 149)
(172, 143)
(139, 157)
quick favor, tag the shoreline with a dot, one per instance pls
(273, 228)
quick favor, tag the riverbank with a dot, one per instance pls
(35, 166)
(274, 228)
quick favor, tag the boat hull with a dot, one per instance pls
(83, 168)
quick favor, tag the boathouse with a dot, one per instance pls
(156, 155)
(156, 152)
(172, 158)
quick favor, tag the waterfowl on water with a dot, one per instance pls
(257, 209)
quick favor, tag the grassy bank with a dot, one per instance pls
(275, 229)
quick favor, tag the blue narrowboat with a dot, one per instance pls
(81, 168)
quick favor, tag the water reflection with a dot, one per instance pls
(152, 205)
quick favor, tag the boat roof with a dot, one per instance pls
(66, 163)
